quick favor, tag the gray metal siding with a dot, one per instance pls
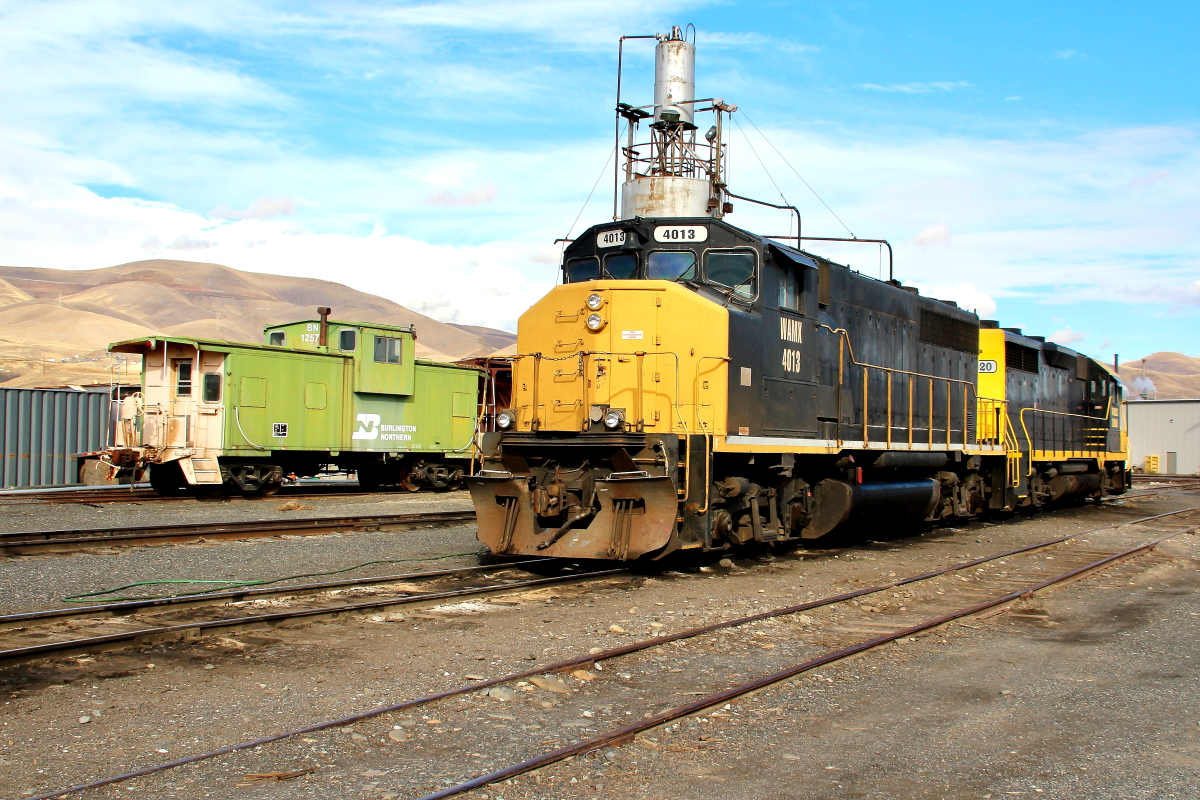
(42, 429)
(1158, 427)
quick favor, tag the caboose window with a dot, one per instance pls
(621, 266)
(734, 269)
(789, 288)
(387, 350)
(347, 339)
(583, 269)
(276, 339)
(671, 266)
(183, 377)
(211, 387)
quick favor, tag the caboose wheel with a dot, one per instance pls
(410, 484)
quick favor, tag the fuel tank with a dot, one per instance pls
(836, 502)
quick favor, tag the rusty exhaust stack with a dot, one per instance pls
(323, 338)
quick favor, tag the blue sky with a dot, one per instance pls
(1035, 161)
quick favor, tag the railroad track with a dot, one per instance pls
(59, 541)
(236, 610)
(126, 494)
(841, 626)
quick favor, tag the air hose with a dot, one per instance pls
(233, 584)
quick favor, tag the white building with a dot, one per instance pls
(1168, 429)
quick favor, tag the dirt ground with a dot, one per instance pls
(1087, 691)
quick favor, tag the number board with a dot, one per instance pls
(681, 233)
(610, 238)
(987, 366)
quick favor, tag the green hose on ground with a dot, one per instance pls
(232, 584)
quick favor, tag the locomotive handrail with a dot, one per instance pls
(969, 391)
(1082, 450)
(582, 358)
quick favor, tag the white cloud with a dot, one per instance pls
(934, 234)
(965, 294)
(262, 208)
(916, 88)
(1065, 54)
(472, 197)
(1067, 336)
(54, 223)
(1067, 222)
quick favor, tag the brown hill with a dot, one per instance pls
(74, 314)
(1170, 376)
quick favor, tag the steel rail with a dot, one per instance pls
(122, 607)
(201, 627)
(149, 495)
(571, 663)
(37, 541)
(627, 732)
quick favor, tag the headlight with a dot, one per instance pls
(595, 301)
(614, 419)
(595, 322)
(506, 419)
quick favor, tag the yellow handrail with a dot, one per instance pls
(968, 387)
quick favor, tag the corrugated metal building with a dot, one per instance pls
(41, 430)
(1168, 430)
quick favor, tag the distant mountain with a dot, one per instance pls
(71, 316)
(1168, 376)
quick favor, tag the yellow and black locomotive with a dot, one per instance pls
(694, 385)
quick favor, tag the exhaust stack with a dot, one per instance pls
(323, 337)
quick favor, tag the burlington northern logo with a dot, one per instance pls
(368, 427)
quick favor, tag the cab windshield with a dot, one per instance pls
(671, 266)
(583, 269)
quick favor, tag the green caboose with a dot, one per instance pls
(240, 416)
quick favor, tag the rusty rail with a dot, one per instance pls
(123, 607)
(32, 542)
(633, 647)
(202, 627)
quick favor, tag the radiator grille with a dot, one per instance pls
(944, 331)
(1018, 356)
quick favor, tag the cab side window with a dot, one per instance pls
(276, 339)
(733, 269)
(789, 287)
(347, 339)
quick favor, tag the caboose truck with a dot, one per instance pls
(215, 415)
(694, 385)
